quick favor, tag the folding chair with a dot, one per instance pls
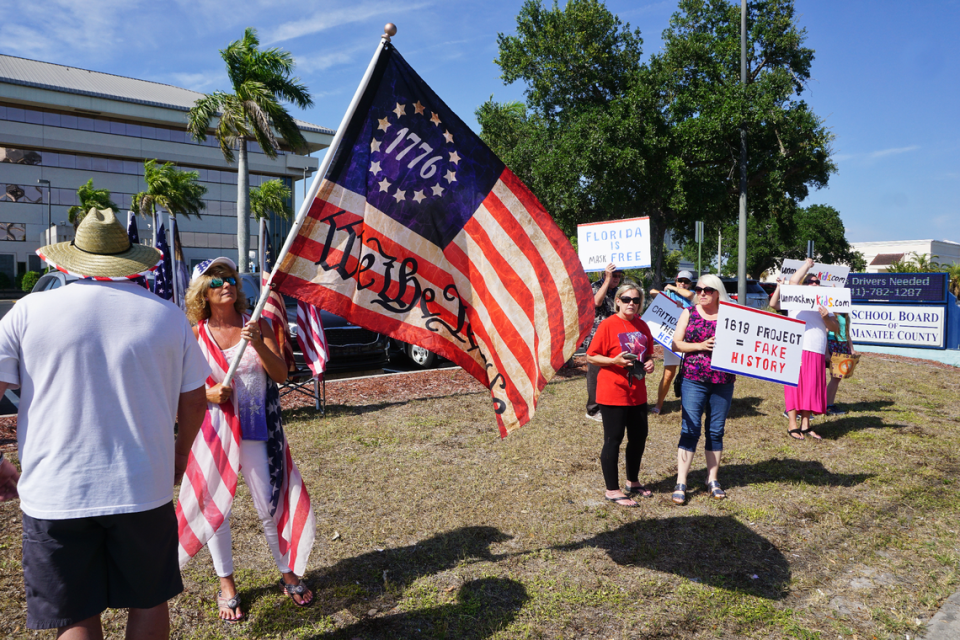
(298, 382)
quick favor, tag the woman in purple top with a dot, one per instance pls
(703, 390)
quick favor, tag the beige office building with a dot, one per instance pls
(61, 126)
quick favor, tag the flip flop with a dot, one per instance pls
(617, 501)
(642, 490)
(297, 589)
(796, 434)
(230, 603)
(813, 434)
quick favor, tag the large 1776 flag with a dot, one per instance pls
(419, 231)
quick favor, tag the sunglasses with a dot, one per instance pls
(216, 283)
(707, 290)
(683, 281)
(813, 281)
(629, 300)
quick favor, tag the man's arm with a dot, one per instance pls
(8, 473)
(191, 408)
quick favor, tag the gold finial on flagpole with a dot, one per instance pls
(389, 31)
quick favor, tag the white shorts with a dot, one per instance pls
(670, 359)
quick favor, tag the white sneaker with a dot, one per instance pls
(595, 416)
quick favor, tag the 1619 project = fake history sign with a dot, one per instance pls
(662, 316)
(625, 243)
(758, 344)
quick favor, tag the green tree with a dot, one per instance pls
(261, 82)
(953, 273)
(90, 198)
(271, 197)
(917, 263)
(769, 242)
(169, 188)
(606, 137)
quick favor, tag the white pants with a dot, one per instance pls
(256, 473)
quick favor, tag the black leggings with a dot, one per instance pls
(616, 420)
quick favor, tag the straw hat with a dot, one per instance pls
(101, 248)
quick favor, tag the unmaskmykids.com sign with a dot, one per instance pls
(830, 275)
(795, 297)
(757, 344)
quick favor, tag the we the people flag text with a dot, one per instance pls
(420, 232)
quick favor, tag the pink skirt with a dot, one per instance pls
(811, 392)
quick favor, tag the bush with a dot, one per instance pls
(29, 279)
(5, 282)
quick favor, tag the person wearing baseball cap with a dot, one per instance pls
(681, 293)
(105, 369)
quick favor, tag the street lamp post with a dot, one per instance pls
(49, 203)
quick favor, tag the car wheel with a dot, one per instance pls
(420, 356)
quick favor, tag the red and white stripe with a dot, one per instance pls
(275, 313)
(310, 337)
(210, 482)
(527, 298)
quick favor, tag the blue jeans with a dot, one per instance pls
(697, 399)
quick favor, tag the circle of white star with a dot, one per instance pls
(445, 175)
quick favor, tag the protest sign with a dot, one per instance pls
(831, 275)
(757, 344)
(662, 316)
(625, 243)
(795, 297)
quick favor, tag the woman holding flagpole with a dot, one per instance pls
(250, 410)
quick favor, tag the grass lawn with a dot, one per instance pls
(430, 526)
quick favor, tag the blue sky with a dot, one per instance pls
(884, 78)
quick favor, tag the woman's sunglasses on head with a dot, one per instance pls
(629, 300)
(216, 283)
(707, 290)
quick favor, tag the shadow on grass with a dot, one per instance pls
(872, 405)
(377, 579)
(715, 550)
(745, 407)
(838, 427)
(483, 607)
(782, 470)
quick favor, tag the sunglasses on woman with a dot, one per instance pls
(683, 281)
(813, 281)
(629, 300)
(707, 290)
(216, 283)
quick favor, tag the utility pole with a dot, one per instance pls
(742, 245)
(698, 232)
(719, 244)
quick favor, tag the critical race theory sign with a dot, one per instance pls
(831, 275)
(805, 298)
(662, 316)
(757, 344)
(625, 243)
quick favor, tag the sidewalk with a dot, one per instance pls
(946, 356)
(946, 624)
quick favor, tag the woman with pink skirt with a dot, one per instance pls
(810, 394)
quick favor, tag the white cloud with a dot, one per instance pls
(198, 81)
(326, 19)
(883, 153)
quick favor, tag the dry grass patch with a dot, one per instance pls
(429, 526)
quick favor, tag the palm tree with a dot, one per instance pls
(90, 198)
(953, 275)
(169, 188)
(271, 196)
(925, 262)
(260, 80)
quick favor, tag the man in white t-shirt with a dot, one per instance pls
(105, 368)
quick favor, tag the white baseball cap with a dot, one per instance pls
(206, 265)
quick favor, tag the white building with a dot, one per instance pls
(880, 255)
(61, 126)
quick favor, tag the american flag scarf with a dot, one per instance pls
(420, 232)
(210, 482)
(311, 338)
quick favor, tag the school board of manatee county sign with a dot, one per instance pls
(625, 243)
(757, 344)
(898, 325)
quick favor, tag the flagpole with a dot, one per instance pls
(171, 219)
(389, 30)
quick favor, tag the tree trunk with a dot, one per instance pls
(243, 209)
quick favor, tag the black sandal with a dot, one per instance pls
(230, 603)
(796, 434)
(715, 491)
(679, 494)
(617, 502)
(297, 589)
(640, 489)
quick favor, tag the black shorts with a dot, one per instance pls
(77, 568)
